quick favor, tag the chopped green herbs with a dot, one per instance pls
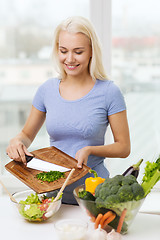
(50, 176)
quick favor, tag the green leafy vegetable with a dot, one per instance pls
(86, 195)
(32, 212)
(151, 175)
(34, 207)
(32, 198)
(50, 176)
(29, 208)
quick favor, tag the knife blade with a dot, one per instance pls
(41, 165)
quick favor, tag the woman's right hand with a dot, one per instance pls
(18, 145)
(17, 150)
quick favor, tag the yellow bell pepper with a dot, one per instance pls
(92, 182)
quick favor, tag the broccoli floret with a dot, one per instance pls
(114, 189)
(125, 193)
(129, 180)
(86, 195)
(115, 181)
(138, 191)
(107, 191)
(112, 199)
(98, 189)
(104, 193)
(117, 190)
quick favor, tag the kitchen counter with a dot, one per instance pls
(12, 226)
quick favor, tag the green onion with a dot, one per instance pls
(50, 176)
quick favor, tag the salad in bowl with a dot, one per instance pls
(34, 207)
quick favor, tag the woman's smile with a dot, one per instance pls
(71, 67)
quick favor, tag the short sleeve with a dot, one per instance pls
(38, 100)
(115, 100)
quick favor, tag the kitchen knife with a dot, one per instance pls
(41, 165)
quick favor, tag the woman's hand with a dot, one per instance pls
(82, 156)
(17, 150)
(18, 145)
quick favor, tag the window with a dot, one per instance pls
(135, 68)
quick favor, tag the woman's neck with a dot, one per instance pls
(72, 88)
(78, 80)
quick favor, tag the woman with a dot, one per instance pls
(78, 105)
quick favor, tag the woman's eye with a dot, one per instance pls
(79, 53)
(63, 51)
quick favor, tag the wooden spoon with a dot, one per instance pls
(51, 206)
(6, 190)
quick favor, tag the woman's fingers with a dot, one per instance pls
(79, 164)
(22, 155)
(82, 157)
(17, 152)
(13, 153)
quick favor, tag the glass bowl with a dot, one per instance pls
(71, 229)
(36, 212)
(91, 209)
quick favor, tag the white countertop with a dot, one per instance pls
(12, 226)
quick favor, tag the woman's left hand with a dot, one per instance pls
(82, 156)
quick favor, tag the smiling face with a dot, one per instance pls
(74, 53)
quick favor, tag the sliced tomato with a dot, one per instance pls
(43, 207)
(47, 200)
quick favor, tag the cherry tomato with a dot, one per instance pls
(47, 200)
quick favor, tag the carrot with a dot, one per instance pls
(121, 220)
(105, 216)
(109, 219)
(97, 221)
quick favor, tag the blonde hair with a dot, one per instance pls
(81, 25)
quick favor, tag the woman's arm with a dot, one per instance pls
(119, 149)
(19, 144)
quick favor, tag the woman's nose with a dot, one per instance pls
(70, 57)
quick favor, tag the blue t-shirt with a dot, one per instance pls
(73, 125)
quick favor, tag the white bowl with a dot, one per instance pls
(71, 229)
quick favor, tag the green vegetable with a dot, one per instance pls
(50, 176)
(90, 202)
(31, 213)
(33, 208)
(86, 195)
(118, 193)
(151, 175)
(150, 169)
(32, 198)
(118, 189)
(158, 161)
(29, 208)
(138, 193)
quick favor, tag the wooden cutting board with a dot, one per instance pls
(49, 154)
